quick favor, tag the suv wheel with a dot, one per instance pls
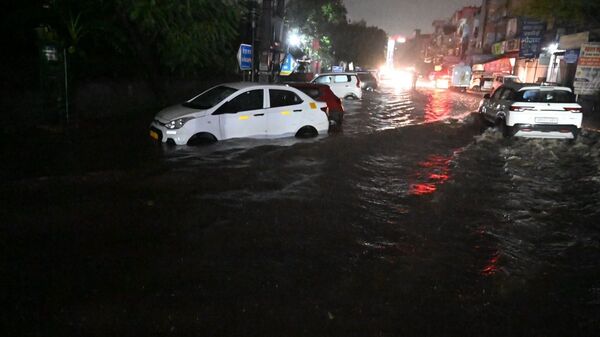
(505, 129)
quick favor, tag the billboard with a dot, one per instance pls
(532, 34)
(587, 76)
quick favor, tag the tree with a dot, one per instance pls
(315, 17)
(326, 21)
(186, 36)
(364, 45)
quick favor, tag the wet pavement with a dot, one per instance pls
(412, 220)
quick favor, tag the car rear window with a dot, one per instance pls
(545, 96)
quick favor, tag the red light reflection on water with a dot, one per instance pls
(435, 170)
(438, 107)
(492, 265)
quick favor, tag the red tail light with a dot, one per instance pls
(573, 109)
(358, 82)
(520, 108)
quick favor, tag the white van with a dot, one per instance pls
(502, 79)
(343, 85)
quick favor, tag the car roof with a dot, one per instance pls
(528, 86)
(239, 85)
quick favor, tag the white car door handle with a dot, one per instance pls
(299, 110)
(259, 114)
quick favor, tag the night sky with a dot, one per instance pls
(403, 16)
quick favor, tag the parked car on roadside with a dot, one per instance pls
(368, 81)
(343, 85)
(323, 93)
(239, 110)
(501, 79)
(481, 82)
(533, 110)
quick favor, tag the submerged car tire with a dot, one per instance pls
(337, 117)
(507, 131)
(575, 136)
(202, 138)
(307, 132)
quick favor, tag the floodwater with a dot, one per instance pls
(412, 220)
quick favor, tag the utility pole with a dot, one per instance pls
(265, 41)
(483, 22)
(253, 14)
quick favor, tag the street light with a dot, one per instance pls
(294, 39)
(552, 48)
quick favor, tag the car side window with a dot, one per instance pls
(341, 78)
(496, 94)
(323, 79)
(283, 98)
(507, 94)
(249, 100)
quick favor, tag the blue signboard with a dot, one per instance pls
(244, 57)
(288, 66)
(532, 34)
(337, 69)
(571, 55)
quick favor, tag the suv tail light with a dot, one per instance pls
(578, 109)
(520, 108)
(357, 82)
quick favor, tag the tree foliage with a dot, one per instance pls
(187, 36)
(326, 21)
(146, 37)
(315, 17)
(362, 44)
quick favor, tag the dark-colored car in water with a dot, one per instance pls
(368, 81)
(322, 92)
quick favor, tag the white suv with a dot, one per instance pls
(343, 85)
(533, 110)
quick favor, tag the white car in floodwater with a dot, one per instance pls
(241, 110)
(533, 111)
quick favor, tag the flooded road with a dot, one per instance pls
(412, 220)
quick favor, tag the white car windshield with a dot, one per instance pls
(210, 98)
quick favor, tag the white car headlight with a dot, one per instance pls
(177, 123)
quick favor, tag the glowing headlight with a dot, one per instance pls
(177, 123)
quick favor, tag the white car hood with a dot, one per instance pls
(177, 111)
